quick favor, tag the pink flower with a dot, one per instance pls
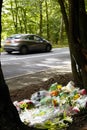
(76, 109)
(83, 92)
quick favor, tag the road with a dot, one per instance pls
(14, 65)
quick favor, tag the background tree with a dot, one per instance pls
(44, 18)
(47, 19)
(41, 16)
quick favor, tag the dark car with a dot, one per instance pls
(25, 43)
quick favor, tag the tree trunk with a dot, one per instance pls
(14, 15)
(40, 2)
(25, 20)
(48, 36)
(20, 21)
(61, 30)
(76, 44)
(76, 29)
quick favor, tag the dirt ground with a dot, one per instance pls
(80, 120)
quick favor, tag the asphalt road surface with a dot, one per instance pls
(14, 65)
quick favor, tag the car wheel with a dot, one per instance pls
(48, 48)
(9, 52)
(23, 50)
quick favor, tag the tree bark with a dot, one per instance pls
(76, 43)
(47, 18)
(14, 15)
(76, 28)
(61, 30)
(40, 2)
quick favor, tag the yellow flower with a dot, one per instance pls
(59, 87)
(76, 96)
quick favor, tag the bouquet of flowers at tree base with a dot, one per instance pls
(52, 109)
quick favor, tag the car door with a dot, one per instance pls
(31, 42)
(38, 43)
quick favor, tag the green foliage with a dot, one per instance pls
(19, 16)
(86, 4)
(1, 49)
(54, 124)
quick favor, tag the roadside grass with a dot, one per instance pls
(1, 49)
(59, 46)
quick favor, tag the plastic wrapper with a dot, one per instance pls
(39, 115)
(39, 95)
(46, 100)
(53, 87)
(82, 101)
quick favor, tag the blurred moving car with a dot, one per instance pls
(25, 43)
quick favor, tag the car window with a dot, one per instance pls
(24, 37)
(36, 38)
(31, 37)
